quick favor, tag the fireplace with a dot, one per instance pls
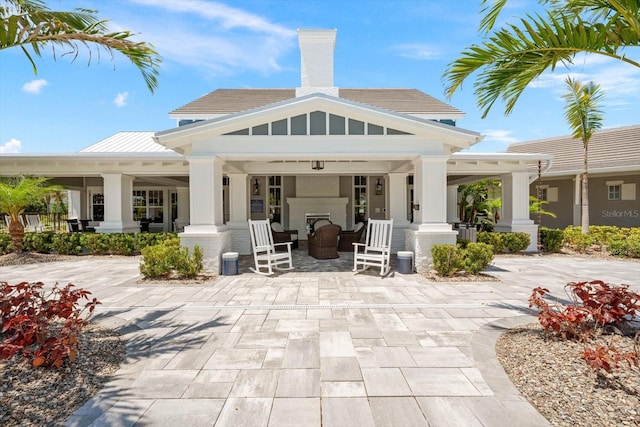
(304, 209)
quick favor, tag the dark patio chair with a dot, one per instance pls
(323, 243)
(348, 238)
(73, 226)
(84, 225)
(280, 235)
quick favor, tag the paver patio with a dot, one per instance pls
(314, 347)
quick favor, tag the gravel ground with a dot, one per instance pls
(47, 396)
(554, 378)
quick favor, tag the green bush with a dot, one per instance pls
(163, 259)
(67, 243)
(577, 241)
(477, 257)
(189, 266)
(150, 239)
(516, 242)
(447, 259)
(96, 243)
(121, 244)
(494, 239)
(627, 247)
(602, 235)
(463, 242)
(38, 242)
(552, 239)
(6, 246)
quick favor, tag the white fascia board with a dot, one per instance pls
(495, 163)
(179, 137)
(526, 157)
(595, 171)
(333, 147)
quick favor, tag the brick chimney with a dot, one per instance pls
(316, 60)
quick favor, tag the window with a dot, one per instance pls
(97, 207)
(275, 199)
(544, 196)
(614, 192)
(359, 199)
(148, 204)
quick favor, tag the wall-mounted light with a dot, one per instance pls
(256, 188)
(317, 165)
(378, 188)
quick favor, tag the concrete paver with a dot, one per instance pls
(314, 346)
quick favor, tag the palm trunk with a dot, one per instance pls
(16, 230)
(585, 192)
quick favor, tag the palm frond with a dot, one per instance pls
(30, 24)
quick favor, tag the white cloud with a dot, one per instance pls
(416, 51)
(11, 146)
(501, 136)
(121, 99)
(215, 37)
(34, 86)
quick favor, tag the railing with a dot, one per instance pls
(51, 222)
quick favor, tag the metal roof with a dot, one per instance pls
(609, 149)
(228, 101)
(127, 142)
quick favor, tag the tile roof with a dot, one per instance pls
(609, 148)
(228, 101)
(127, 142)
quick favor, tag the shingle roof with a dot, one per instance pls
(228, 101)
(127, 142)
(609, 148)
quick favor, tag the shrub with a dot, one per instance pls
(121, 244)
(164, 259)
(28, 317)
(142, 240)
(38, 242)
(6, 245)
(477, 257)
(577, 241)
(552, 239)
(66, 243)
(493, 239)
(597, 308)
(96, 243)
(447, 259)
(602, 235)
(625, 247)
(516, 242)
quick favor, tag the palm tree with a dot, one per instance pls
(583, 114)
(15, 196)
(29, 23)
(511, 57)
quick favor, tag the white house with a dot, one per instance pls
(289, 154)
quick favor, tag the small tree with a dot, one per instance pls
(15, 196)
(584, 116)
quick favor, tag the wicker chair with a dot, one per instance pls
(323, 243)
(348, 238)
(280, 235)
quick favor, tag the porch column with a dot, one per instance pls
(430, 225)
(238, 212)
(397, 190)
(515, 207)
(183, 205)
(118, 204)
(452, 204)
(206, 218)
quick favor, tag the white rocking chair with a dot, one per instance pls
(264, 250)
(376, 252)
(33, 223)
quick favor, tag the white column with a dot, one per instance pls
(452, 204)
(73, 204)
(118, 204)
(237, 199)
(430, 193)
(397, 189)
(183, 205)
(515, 207)
(205, 195)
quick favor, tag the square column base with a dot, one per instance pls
(213, 246)
(530, 229)
(420, 243)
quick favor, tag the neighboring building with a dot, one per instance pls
(614, 177)
(289, 154)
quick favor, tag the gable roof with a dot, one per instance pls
(228, 101)
(609, 150)
(127, 142)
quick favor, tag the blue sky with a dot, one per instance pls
(208, 45)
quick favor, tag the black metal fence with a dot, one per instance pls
(50, 222)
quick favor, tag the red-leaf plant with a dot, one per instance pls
(28, 314)
(597, 307)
